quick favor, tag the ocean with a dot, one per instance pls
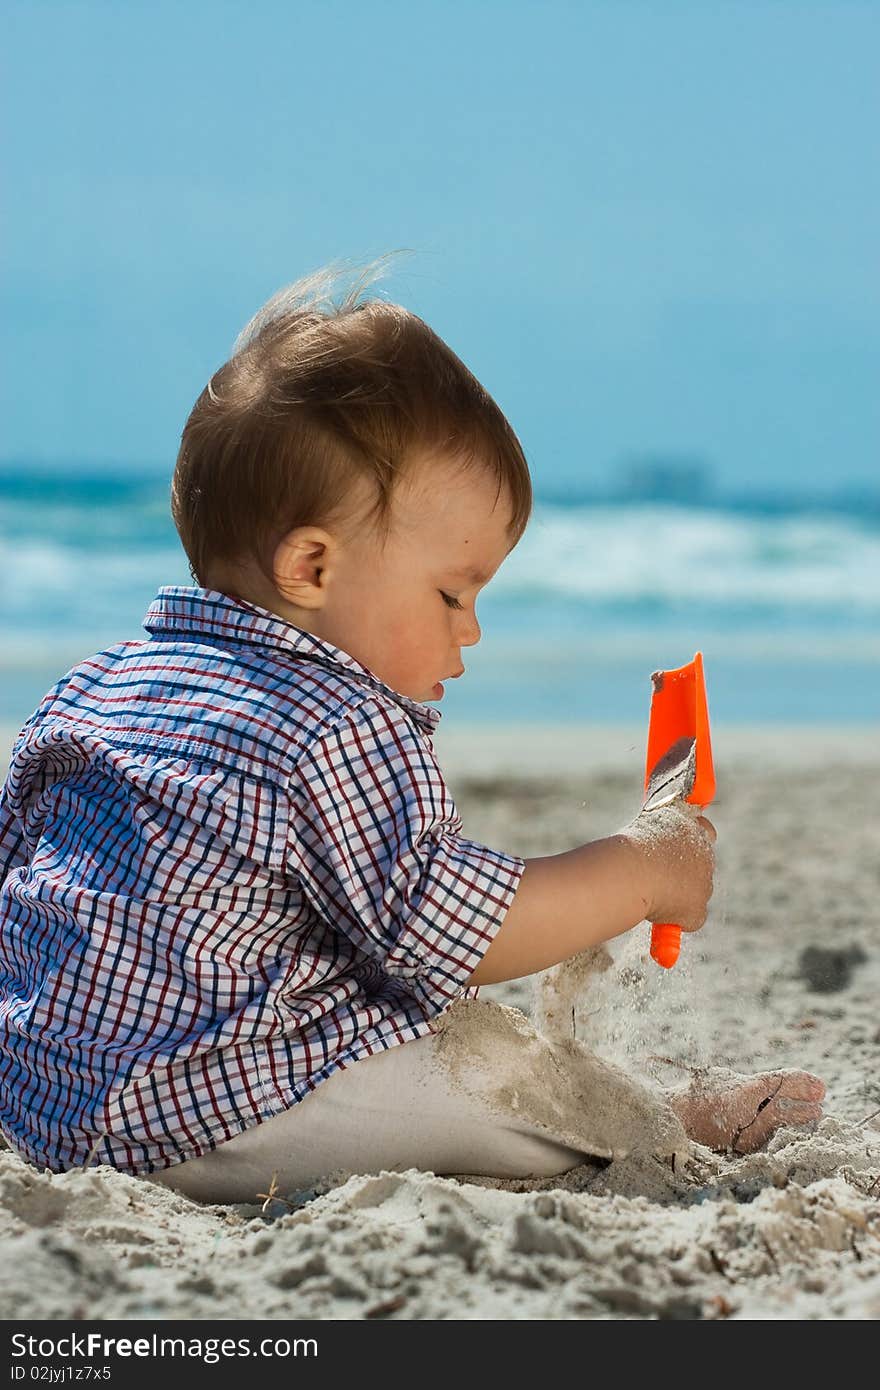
(781, 597)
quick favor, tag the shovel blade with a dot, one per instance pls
(673, 777)
(679, 711)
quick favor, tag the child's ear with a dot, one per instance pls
(299, 566)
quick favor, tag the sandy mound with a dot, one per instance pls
(790, 1233)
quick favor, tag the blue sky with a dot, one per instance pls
(647, 227)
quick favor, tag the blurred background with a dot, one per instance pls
(650, 228)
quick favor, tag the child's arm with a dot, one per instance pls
(659, 868)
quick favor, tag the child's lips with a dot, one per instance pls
(438, 691)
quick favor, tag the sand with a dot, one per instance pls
(786, 973)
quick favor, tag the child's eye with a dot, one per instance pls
(449, 600)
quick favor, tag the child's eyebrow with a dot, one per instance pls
(470, 572)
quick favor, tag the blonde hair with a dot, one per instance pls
(322, 390)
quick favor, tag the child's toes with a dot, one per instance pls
(792, 1099)
(742, 1113)
(802, 1085)
(762, 1128)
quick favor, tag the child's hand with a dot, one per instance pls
(658, 867)
(675, 845)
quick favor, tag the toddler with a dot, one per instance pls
(241, 931)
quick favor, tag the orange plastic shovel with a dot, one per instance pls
(678, 764)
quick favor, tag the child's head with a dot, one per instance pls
(345, 470)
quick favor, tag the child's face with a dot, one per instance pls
(406, 610)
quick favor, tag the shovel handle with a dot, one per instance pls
(665, 943)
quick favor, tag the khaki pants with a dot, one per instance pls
(482, 1094)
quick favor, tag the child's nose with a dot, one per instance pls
(470, 631)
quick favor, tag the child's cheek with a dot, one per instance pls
(411, 647)
(404, 647)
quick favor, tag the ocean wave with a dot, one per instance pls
(74, 561)
(661, 555)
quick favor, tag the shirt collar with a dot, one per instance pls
(180, 609)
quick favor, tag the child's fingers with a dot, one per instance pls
(693, 920)
(695, 814)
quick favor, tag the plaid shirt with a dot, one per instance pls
(229, 864)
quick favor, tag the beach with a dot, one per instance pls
(786, 973)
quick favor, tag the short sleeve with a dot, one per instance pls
(375, 841)
(13, 849)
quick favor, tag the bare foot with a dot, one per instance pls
(740, 1113)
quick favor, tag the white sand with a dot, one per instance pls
(791, 1232)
